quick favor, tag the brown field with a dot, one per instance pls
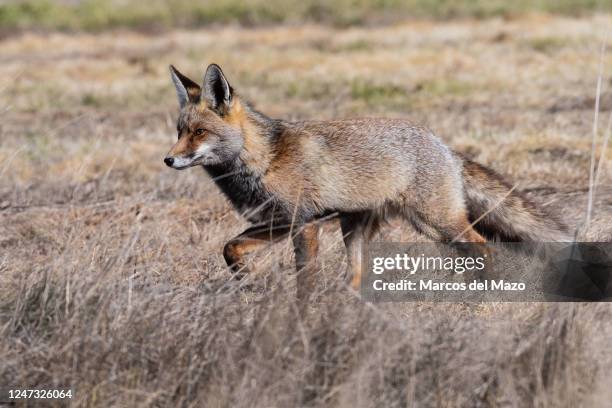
(111, 274)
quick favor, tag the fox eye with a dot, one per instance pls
(199, 132)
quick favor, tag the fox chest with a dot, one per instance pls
(248, 195)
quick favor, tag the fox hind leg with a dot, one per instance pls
(357, 229)
(306, 246)
(455, 230)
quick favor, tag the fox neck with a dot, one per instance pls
(258, 132)
(244, 189)
(241, 180)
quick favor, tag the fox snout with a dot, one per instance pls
(181, 162)
(186, 152)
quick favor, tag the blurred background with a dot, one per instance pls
(158, 15)
(111, 274)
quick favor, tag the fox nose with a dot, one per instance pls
(169, 161)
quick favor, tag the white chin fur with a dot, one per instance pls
(181, 162)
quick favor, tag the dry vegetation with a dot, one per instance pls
(111, 278)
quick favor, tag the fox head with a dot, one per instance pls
(208, 131)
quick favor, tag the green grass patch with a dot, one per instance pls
(445, 87)
(371, 93)
(310, 89)
(547, 45)
(374, 94)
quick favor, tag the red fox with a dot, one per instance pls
(286, 176)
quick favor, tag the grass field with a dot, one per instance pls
(111, 274)
(161, 15)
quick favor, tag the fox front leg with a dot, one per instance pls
(253, 238)
(306, 246)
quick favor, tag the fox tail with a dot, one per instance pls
(501, 213)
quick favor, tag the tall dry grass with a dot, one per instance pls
(121, 340)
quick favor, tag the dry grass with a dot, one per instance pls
(111, 278)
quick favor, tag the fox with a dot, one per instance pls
(285, 177)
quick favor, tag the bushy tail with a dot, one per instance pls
(503, 214)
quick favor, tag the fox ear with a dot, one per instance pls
(217, 92)
(186, 89)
